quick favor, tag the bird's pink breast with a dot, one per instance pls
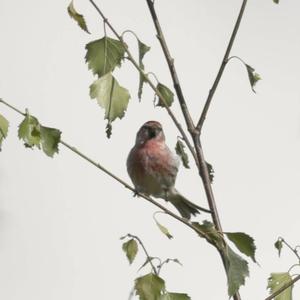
(151, 167)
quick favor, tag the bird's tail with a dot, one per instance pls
(185, 207)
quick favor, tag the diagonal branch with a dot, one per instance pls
(126, 185)
(222, 67)
(147, 79)
(121, 181)
(283, 288)
(170, 61)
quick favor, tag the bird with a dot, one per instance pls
(153, 169)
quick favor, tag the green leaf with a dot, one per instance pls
(243, 242)
(143, 49)
(164, 230)
(179, 148)
(104, 55)
(29, 131)
(253, 76)
(167, 95)
(77, 17)
(211, 234)
(174, 296)
(237, 270)
(278, 245)
(34, 134)
(110, 96)
(3, 129)
(50, 138)
(277, 281)
(131, 249)
(149, 287)
(276, 1)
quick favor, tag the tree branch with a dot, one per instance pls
(195, 132)
(222, 67)
(118, 179)
(170, 61)
(147, 79)
(283, 288)
(126, 185)
(204, 174)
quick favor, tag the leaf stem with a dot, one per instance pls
(292, 267)
(222, 67)
(283, 288)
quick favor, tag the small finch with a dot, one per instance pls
(153, 168)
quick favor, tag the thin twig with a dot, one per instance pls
(170, 61)
(13, 108)
(294, 250)
(222, 67)
(145, 251)
(147, 79)
(292, 267)
(283, 288)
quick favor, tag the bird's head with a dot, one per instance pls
(151, 130)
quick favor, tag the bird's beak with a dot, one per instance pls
(152, 133)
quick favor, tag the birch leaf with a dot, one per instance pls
(104, 55)
(77, 17)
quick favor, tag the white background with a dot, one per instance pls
(61, 218)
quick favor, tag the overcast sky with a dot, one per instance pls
(61, 218)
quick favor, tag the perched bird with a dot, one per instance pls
(153, 168)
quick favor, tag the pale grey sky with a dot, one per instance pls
(61, 219)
